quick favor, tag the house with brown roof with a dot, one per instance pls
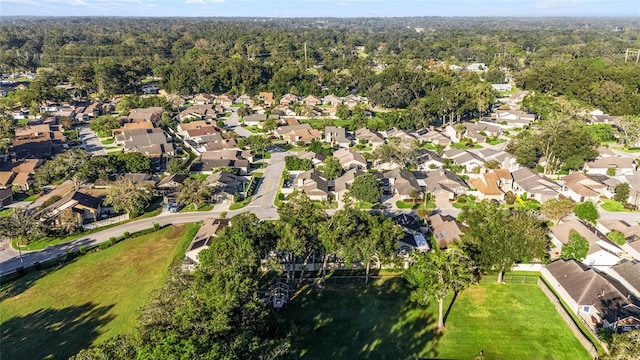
(288, 99)
(444, 184)
(404, 184)
(332, 100)
(82, 207)
(315, 158)
(203, 99)
(350, 159)
(367, 137)
(434, 136)
(266, 97)
(132, 126)
(205, 112)
(487, 186)
(209, 166)
(6, 197)
(342, 183)
(579, 187)
(311, 100)
(202, 240)
(445, 229)
(37, 142)
(599, 300)
(225, 100)
(18, 174)
(628, 272)
(245, 99)
(226, 184)
(313, 184)
(602, 252)
(169, 187)
(302, 135)
(152, 114)
(149, 142)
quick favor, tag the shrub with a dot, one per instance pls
(223, 215)
(156, 226)
(51, 200)
(280, 196)
(611, 171)
(83, 250)
(617, 237)
(127, 234)
(510, 198)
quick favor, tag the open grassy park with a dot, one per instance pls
(510, 321)
(54, 314)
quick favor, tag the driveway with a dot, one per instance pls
(233, 123)
(91, 141)
(262, 203)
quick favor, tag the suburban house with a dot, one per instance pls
(621, 165)
(245, 99)
(631, 233)
(205, 112)
(445, 229)
(332, 100)
(404, 184)
(353, 100)
(504, 159)
(487, 186)
(131, 126)
(628, 272)
(311, 100)
(434, 136)
(151, 114)
(227, 185)
(182, 128)
(429, 160)
(313, 184)
(315, 158)
(224, 99)
(602, 253)
(580, 188)
(445, 184)
(202, 240)
(342, 183)
(149, 142)
(170, 186)
(598, 300)
(464, 158)
(37, 142)
(633, 180)
(255, 119)
(336, 135)
(82, 208)
(513, 118)
(18, 174)
(203, 99)
(413, 238)
(350, 159)
(229, 154)
(302, 135)
(288, 99)
(366, 136)
(266, 97)
(537, 187)
(406, 138)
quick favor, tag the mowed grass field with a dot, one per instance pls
(53, 316)
(511, 321)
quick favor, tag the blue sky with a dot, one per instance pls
(320, 8)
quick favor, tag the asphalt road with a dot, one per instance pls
(262, 203)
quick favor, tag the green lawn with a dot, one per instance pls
(410, 205)
(495, 141)
(54, 315)
(513, 321)
(613, 206)
(240, 204)
(106, 141)
(463, 146)
(6, 212)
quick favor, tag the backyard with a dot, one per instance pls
(512, 321)
(53, 315)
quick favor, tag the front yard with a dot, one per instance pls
(354, 321)
(54, 314)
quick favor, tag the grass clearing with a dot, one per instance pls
(613, 206)
(54, 314)
(513, 321)
(463, 146)
(106, 141)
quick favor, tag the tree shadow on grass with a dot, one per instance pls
(377, 321)
(53, 333)
(15, 285)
